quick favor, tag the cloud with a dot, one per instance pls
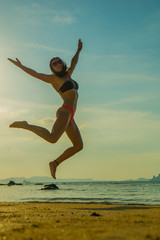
(98, 123)
(59, 18)
(39, 15)
(115, 78)
(140, 63)
(10, 110)
(45, 47)
(135, 99)
(35, 5)
(46, 121)
(17, 151)
(120, 127)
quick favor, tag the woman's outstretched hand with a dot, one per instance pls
(17, 62)
(80, 45)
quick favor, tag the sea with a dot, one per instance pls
(125, 192)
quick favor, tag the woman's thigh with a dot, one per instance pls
(61, 123)
(74, 135)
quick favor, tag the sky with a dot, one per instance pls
(118, 74)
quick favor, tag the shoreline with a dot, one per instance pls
(82, 202)
(90, 202)
(81, 221)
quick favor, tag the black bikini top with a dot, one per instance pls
(70, 84)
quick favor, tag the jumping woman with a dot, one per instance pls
(61, 81)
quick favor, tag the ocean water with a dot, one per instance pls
(84, 192)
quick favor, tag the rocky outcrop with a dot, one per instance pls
(156, 179)
(50, 187)
(12, 183)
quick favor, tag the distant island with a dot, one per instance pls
(41, 180)
(156, 179)
(153, 179)
(46, 180)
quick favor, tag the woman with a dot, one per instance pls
(61, 81)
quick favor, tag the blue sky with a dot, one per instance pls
(119, 77)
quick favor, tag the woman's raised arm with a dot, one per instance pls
(75, 58)
(41, 76)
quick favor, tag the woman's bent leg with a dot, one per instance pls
(74, 135)
(58, 129)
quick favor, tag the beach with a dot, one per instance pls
(70, 221)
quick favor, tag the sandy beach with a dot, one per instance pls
(78, 221)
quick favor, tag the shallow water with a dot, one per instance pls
(107, 192)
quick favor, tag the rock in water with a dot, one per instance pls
(11, 183)
(50, 187)
(95, 214)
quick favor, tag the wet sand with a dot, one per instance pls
(74, 221)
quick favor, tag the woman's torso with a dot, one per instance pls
(69, 97)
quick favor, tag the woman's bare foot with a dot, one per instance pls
(53, 165)
(19, 124)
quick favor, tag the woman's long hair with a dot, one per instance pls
(64, 68)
